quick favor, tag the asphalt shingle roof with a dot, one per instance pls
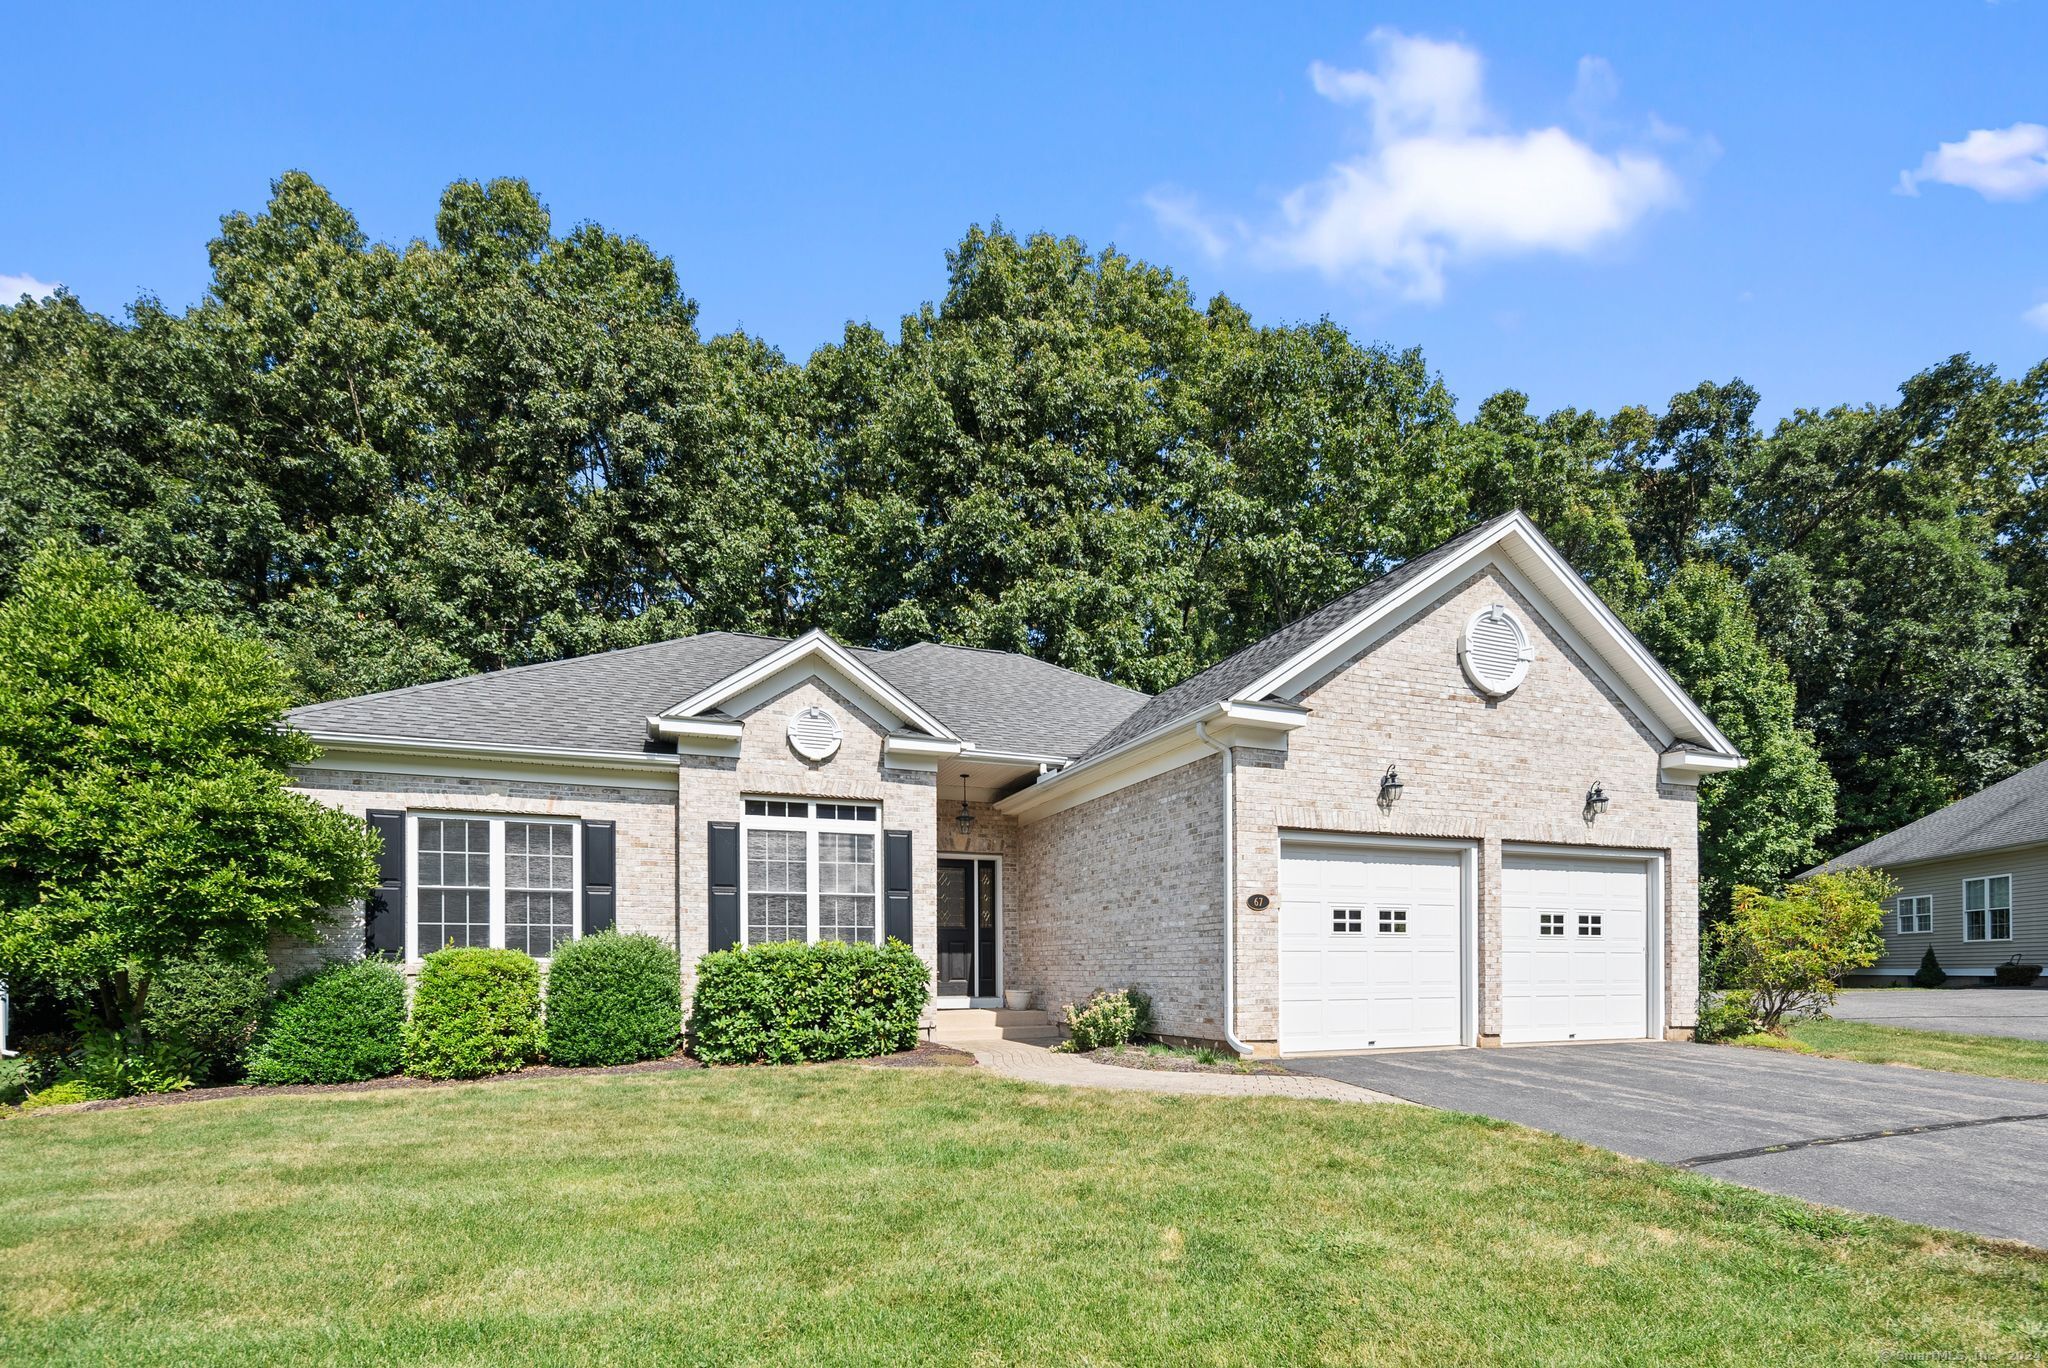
(602, 702)
(1228, 676)
(2012, 812)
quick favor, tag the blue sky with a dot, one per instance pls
(1598, 207)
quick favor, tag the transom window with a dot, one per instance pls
(1987, 908)
(1589, 923)
(1550, 923)
(1347, 921)
(506, 882)
(1393, 921)
(1916, 915)
(809, 872)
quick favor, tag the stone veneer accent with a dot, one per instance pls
(646, 850)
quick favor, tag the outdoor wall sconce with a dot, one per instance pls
(964, 819)
(1596, 801)
(1390, 787)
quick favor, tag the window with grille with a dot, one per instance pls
(1987, 908)
(540, 886)
(455, 883)
(1589, 923)
(1347, 921)
(1550, 924)
(1916, 915)
(508, 882)
(1393, 921)
(810, 871)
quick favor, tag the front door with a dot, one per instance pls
(967, 928)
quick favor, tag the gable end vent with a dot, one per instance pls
(1494, 651)
(814, 734)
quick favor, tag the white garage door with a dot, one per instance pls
(1369, 948)
(1575, 948)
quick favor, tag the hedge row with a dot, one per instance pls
(611, 999)
(782, 1004)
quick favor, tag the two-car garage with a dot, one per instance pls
(1380, 945)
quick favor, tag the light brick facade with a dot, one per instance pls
(1127, 888)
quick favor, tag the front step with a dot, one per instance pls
(967, 1025)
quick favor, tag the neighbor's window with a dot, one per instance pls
(810, 871)
(1987, 908)
(508, 882)
(1916, 915)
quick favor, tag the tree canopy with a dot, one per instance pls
(511, 443)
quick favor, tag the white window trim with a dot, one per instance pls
(496, 823)
(811, 827)
(1899, 913)
(1986, 880)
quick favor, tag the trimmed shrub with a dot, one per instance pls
(208, 1008)
(342, 1023)
(613, 999)
(1930, 974)
(783, 1004)
(1111, 1018)
(475, 1012)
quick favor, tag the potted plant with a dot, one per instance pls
(1017, 999)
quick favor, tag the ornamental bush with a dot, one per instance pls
(1111, 1018)
(475, 1012)
(786, 1003)
(1788, 952)
(208, 1007)
(1930, 974)
(342, 1023)
(65, 1092)
(613, 999)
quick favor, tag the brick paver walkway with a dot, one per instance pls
(1036, 1064)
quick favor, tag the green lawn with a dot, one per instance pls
(1996, 1056)
(842, 1214)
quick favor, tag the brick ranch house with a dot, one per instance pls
(1454, 807)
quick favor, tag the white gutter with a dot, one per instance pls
(1229, 896)
(350, 741)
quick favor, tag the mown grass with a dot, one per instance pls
(849, 1215)
(1991, 1056)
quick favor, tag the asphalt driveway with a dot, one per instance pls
(1939, 1148)
(2021, 1012)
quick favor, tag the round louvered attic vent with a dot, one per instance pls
(1494, 651)
(814, 734)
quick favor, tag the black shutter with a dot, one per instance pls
(600, 901)
(896, 886)
(725, 885)
(384, 909)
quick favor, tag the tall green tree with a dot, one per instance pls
(143, 802)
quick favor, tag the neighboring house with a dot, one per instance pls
(1237, 846)
(1973, 881)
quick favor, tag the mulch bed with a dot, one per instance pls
(1136, 1057)
(925, 1056)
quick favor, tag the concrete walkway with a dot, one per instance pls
(1028, 1063)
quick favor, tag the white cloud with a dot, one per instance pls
(2038, 316)
(1180, 212)
(13, 287)
(1998, 163)
(1595, 90)
(1442, 179)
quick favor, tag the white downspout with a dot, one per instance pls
(1229, 895)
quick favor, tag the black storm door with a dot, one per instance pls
(956, 928)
